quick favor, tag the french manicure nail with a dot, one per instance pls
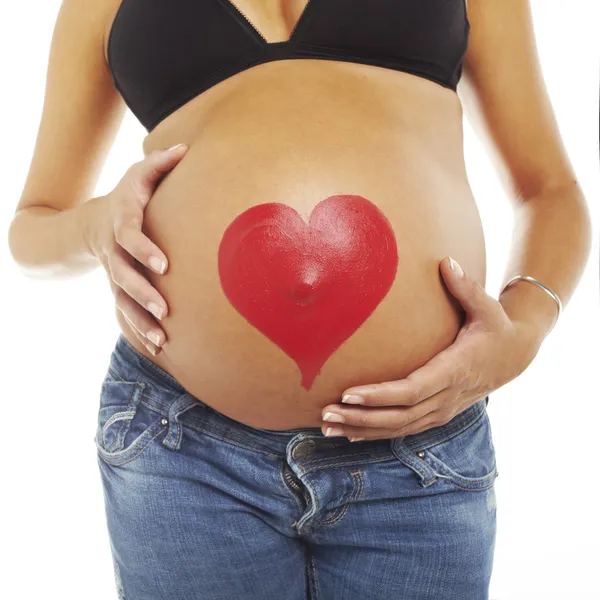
(154, 337)
(334, 417)
(356, 439)
(333, 431)
(157, 265)
(353, 399)
(156, 310)
(151, 349)
(456, 267)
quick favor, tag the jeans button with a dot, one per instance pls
(303, 449)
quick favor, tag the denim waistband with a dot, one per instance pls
(162, 391)
(131, 365)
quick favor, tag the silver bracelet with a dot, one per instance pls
(541, 285)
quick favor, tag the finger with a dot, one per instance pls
(444, 370)
(140, 320)
(362, 433)
(149, 345)
(379, 417)
(136, 285)
(129, 236)
(427, 422)
(152, 348)
(368, 433)
(471, 294)
(146, 174)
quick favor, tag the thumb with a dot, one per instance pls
(156, 165)
(469, 292)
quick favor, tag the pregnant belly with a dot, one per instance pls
(299, 270)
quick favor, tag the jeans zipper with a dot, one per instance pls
(292, 483)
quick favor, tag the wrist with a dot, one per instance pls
(531, 309)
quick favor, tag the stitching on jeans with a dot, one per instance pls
(320, 460)
(145, 394)
(191, 424)
(356, 493)
(230, 441)
(348, 464)
(115, 462)
(450, 434)
(188, 423)
(119, 416)
(195, 425)
(156, 399)
(113, 375)
(476, 485)
(337, 515)
(313, 568)
(492, 478)
(465, 483)
(178, 436)
(116, 378)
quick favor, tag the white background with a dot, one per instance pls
(59, 335)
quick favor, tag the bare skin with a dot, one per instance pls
(406, 157)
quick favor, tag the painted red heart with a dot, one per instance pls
(308, 287)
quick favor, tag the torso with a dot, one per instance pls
(296, 132)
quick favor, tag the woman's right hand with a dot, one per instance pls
(119, 244)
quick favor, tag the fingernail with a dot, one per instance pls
(334, 417)
(157, 265)
(154, 337)
(353, 399)
(356, 439)
(333, 431)
(456, 267)
(151, 349)
(175, 147)
(156, 310)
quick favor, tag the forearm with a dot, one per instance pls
(551, 242)
(46, 242)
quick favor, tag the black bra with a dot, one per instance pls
(163, 53)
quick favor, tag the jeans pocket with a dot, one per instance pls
(467, 459)
(126, 425)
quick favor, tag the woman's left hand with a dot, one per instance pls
(489, 351)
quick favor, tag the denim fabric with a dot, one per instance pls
(200, 506)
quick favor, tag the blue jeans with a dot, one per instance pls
(200, 506)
